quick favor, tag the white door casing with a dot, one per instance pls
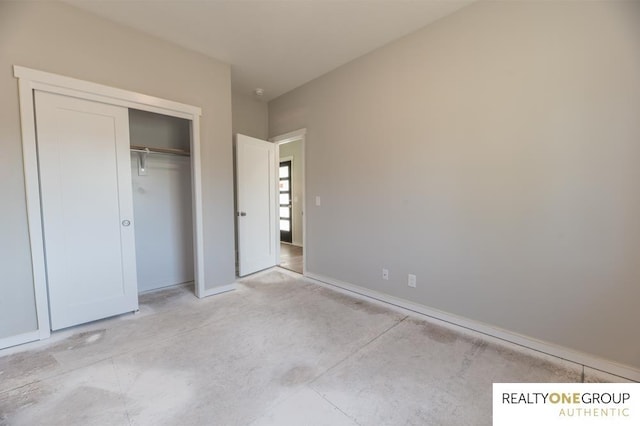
(87, 208)
(256, 204)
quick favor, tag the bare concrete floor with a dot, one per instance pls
(277, 351)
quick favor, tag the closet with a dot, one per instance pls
(93, 200)
(116, 205)
(161, 178)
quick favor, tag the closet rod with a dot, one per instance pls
(148, 149)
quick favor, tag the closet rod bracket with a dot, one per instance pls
(142, 161)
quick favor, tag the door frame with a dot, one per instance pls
(296, 135)
(30, 80)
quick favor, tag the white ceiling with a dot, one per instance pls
(276, 45)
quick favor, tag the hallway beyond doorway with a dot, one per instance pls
(291, 257)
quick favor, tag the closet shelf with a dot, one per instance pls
(149, 149)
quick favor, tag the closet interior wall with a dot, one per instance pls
(162, 201)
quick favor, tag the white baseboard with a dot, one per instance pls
(584, 359)
(217, 290)
(189, 284)
(19, 339)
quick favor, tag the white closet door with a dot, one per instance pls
(87, 208)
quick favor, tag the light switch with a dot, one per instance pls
(411, 281)
(317, 200)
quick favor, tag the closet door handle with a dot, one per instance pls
(242, 214)
(126, 222)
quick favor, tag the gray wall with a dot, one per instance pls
(493, 154)
(157, 130)
(294, 149)
(250, 116)
(164, 228)
(58, 38)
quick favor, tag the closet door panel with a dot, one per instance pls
(87, 210)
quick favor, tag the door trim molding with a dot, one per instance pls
(30, 80)
(289, 137)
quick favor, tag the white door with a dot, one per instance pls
(256, 204)
(87, 208)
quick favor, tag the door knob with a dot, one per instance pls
(126, 222)
(242, 213)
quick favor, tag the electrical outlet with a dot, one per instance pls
(385, 274)
(412, 281)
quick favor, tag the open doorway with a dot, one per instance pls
(291, 198)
